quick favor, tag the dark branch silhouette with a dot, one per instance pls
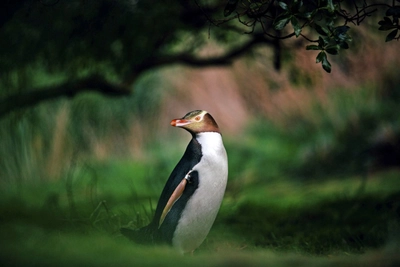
(99, 84)
(193, 61)
(69, 89)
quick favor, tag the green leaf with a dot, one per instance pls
(344, 45)
(296, 26)
(393, 11)
(330, 6)
(283, 5)
(305, 15)
(321, 56)
(342, 29)
(386, 24)
(391, 35)
(321, 30)
(385, 21)
(297, 4)
(323, 41)
(386, 27)
(281, 21)
(313, 47)
(340, 32)
(332, 49)
(326, 65)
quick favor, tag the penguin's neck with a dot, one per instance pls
(211, 142)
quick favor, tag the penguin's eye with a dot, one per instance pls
(197, 118)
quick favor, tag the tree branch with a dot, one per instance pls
(98, 84)
(194, 61)
(70, 89)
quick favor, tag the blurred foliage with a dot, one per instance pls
(40, 144)
(360, 134)
(73, 37)
(357, 131)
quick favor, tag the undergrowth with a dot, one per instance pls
(316, 218)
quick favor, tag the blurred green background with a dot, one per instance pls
(313, 157)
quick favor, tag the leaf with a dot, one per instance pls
(320, 57)
(283, 5)
(330, 6)
(281, 21)
(393, 11)
(326, 65)
(305, 15)
(321, 30)
(313, 47)
(332, 49)
(386, 27)
(297, 4)
(296, 26)
(385, 21)
(323, 41)
(391, 35)
(342, 29)
(230, 7)
(340, 32)
(344, 45)
(386, 24)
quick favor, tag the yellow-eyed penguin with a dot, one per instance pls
(193, 193)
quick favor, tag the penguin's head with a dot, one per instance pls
(196, 121)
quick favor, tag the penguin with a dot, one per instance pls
(192, 196)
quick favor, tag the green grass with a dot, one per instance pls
(278, 223)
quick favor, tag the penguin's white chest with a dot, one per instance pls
(202, 208)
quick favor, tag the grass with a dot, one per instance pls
(279, 222)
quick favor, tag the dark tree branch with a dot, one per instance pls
(100, 85)
(194, 61)
(93, 83)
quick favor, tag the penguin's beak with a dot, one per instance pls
(180, 122)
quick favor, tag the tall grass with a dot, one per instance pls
(41, 143)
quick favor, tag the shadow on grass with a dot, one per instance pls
(351, 225)
(342, 224)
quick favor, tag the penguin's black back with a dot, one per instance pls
(153, 233)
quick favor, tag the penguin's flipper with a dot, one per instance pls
(174, 197)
